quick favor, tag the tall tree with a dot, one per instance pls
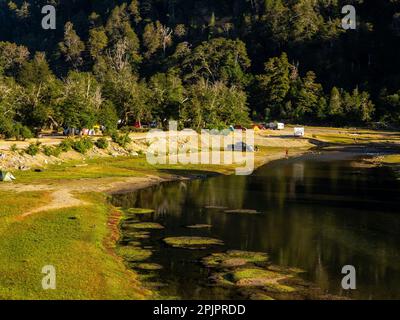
(274, 85)
(72, 46)
(218, 60)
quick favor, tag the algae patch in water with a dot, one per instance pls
(132, 237)
(192, 242)
(148, 266)
(242, 211)
(255, 277)
(199, 226)
(251, 272)
(260, 296)
(234, 258)
(133, 254)
(147, 225)
(139, 211)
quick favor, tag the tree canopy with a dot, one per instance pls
(204, 63)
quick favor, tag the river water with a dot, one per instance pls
(319, 212)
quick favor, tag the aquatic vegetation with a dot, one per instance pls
(147, 225)
(234, 258)
(139, 211)
(148, 266)
(192, 242)
(286, 270)
(251, 272)
(243, 211)
(128, 222)
(260, 296)
(135, 244)
(131, 253)
(199, 226)
(133, 236)
(279, 288)
(255, 276)
(364, 164)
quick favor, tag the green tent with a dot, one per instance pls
(6, 176)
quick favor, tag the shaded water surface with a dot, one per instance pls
(318, 213)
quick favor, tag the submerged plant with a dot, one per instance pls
(147, 225)
(192, 242)
(234, 258)
(139, 211)
(132, 253)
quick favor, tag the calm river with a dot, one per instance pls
(319, 212)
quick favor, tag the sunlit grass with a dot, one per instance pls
(391, 159)
(72, 240)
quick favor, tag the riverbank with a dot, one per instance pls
(59, 215)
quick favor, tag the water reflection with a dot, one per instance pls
(319, 213)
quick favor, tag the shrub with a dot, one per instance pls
(121, 139)
(51, 151)
(66, 145)
(46, 150)
(20, 132)
(33, 148)
(101, 143)
(83, 145)
(13, 148)
(125, 129)
(24, 133)
(140, 130)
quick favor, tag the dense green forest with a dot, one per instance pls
(206, 63)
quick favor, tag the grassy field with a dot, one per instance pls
(73, 240)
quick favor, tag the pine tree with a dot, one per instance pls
(335, 103)
(274, 85)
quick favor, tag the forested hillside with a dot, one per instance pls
(206, 63)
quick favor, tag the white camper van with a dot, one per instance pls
(299, 132)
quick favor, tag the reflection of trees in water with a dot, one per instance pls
(320, 235)
(318, 216)
(221, 191)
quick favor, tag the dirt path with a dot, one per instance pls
(64, 192)
(60, 199)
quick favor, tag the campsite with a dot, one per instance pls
(6, 176)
